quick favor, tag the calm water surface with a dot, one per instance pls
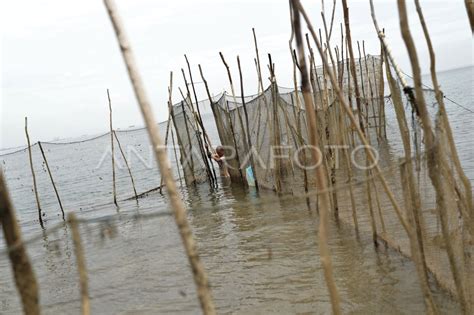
(260, 250)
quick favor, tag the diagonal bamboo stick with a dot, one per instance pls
(470, 12)
(127, 165)
(205, 135)
(200, 276)
(51, 177)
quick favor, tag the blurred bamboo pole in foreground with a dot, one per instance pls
(81, 264)
(200, 276)
(317, 157)
(23, 273)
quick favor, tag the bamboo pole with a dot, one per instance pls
(197, 133)
(35, 188)
(190, 152)
(114, 189)
(470, 12)
(200, 276)
(127, 165)
(168, 123)
(259, 69)
(221, 130)
(386, 47)
(371, 91)
(176, 155)
(81, 264)
(349, 94)
(412, 198)
(332, 133)
(442, 108)
(241, 122)
(23, 274)
(345, 134)
(367, 135)
(320, 171)
(51, 177)
(208, 162)
(249, 138)
(352, 62)
(435, 156)
(297, 109)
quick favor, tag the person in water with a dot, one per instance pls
(219, 157)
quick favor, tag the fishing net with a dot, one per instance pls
(93, 185)
(359, 196)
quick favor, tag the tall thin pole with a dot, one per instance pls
(249, 138)
(197, 133)
(127, 165)
(435, 155)
(35, 188)
(321, 179)
(208, 162)
(114, 189)
(200, 276)
(352, 63)
(51, 177)
(25, 279)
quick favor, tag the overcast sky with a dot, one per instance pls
(59, 57)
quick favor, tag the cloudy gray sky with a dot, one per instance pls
(59, 57)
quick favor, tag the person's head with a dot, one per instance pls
(220, 151)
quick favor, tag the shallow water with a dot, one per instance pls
(260, 250)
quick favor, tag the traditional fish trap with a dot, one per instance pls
(395, 202)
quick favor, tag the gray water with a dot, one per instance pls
(260, 250)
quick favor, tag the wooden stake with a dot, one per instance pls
(208, 162)
(259, 69)
(25, 279)
(51, 177)
(317, 157)
(352, 63)
(176, 155)
(412, 198)
(126, 164)
(249, 138)
(35, 188)
(200, 276)
(241, 122)
(81, 264)
(442, 108)
(435, 156)
(114, 189)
